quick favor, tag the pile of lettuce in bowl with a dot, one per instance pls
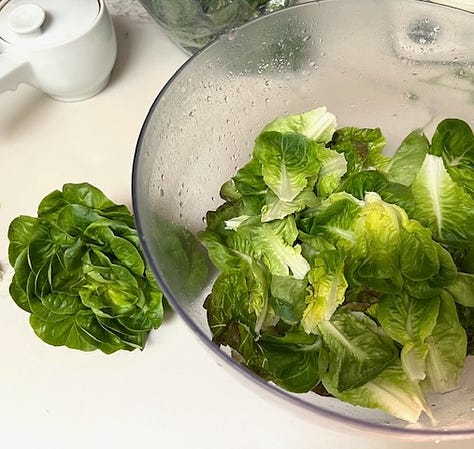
(304, 192)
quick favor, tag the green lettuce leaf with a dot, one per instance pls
(293, 360)
(374, 257)
(274, 243)
(278, 209)
(318, 125)
(362, 148)
(288, 161)
(288, 297)
(409, 321)
(354, 350)
(334, 220)
(447, 349)
(239, 295)
(453, 141)
(333, 167)
(360, 183)
(466, 319)
(391, 391)
(408, 158)
(327, 286)
(443, 205)
(462, 289)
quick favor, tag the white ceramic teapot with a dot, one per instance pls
(66, 48)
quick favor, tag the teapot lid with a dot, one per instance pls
(46, 23)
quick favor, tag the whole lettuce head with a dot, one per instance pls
(81, 274)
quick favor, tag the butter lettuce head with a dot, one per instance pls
(81, 274)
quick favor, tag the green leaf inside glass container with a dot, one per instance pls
(192, 24)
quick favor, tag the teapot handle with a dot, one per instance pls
(13, 72)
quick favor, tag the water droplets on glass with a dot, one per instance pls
(424, 31)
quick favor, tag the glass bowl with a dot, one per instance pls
(399, 65)
(192, 24)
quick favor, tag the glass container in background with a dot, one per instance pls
(192, 24)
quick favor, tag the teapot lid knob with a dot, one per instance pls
(35, 24)
(26, 19)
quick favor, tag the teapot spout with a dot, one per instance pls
(13, 72)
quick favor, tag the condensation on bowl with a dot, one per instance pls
(397, 65)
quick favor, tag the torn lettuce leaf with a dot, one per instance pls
(293, 360)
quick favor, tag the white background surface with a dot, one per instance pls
(173, 394)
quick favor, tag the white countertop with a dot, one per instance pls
(173, 394)
(131, 8)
